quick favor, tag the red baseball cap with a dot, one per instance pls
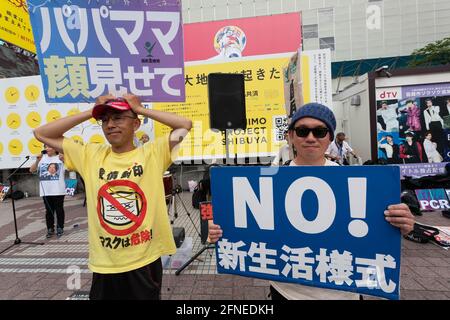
(119, 104)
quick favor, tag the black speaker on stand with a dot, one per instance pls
(226, 97)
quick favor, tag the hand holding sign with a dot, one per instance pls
(214, 232)
(401, 217)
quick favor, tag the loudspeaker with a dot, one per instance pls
(226, 97)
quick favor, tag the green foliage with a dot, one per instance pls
(436, 53)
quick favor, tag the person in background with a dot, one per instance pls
(52, 188)
(311, 131)
(283, 154)
(339, 149)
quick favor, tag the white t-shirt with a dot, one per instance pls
(283, 155)
(336, 151)
(293, 291)
(51, 176)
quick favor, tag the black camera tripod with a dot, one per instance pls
(176, 195)
(17, 240)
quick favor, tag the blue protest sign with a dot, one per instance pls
(89, 48)
(318, 226)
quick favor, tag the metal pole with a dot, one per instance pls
(17, 241)
(227, 147)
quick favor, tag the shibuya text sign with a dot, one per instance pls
(317, 226)
(89, 48)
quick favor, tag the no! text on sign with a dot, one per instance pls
(318, 226)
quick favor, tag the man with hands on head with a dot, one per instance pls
(128, 225)
(311, 131)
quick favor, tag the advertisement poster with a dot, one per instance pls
(419, 170)
(24, 109)
(293, 86)
(413, 123)
(235, 38)
(432, 199)
(307, 79)
(15, 26)
(316, 77)
(316, 226)
(266, 118)
(89, 48)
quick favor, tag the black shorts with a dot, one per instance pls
(140, 284)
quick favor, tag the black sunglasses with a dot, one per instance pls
(318, 132)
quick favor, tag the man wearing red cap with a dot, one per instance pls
(129, 229)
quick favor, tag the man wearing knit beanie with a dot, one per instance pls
(311, 131)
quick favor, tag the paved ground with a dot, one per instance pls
(47, 271)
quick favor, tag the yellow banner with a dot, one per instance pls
(266, 117)
(15, 26)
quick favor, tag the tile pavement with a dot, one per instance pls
(39, 272)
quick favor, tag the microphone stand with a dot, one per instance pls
(17, 240)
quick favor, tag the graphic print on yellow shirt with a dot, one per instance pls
(121, 212)
(127, 215)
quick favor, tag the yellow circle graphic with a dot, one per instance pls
(1, 148)
(12, 94)
(53, 115)
(13, 121)
(73, 112)
(77, 138)
(32, 93)
(0, 122)
(93, 121)
(34, 119)
(15, 147)
(35, 146)
(97, 138)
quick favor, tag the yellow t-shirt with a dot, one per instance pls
(128, 222)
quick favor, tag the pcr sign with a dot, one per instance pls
(317, 226)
